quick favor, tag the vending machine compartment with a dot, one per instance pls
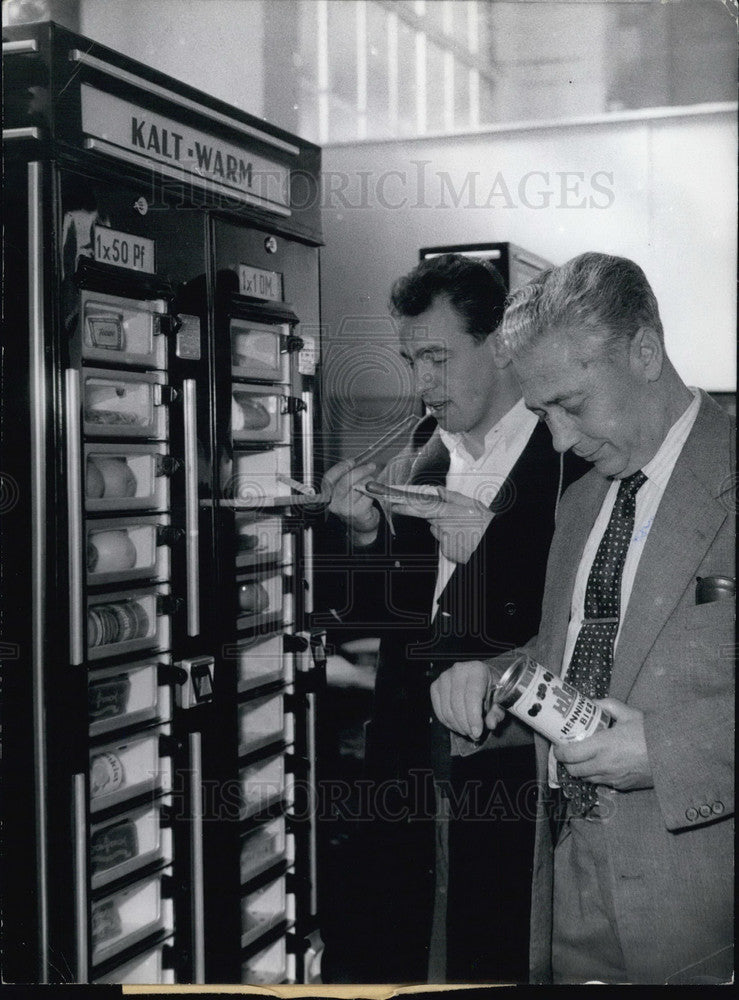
(148, 968)
(262, 662)
(127, 621)
(263, 847)
(266, 966)
(122, 477)
(129, 915)
(128, 843)
(254, 481)
(126, 768)
(128, 695)
(261, 722)
(123, 331)
(257, 414)
(262, 909)
(123, 549)
(258, 351)
(124, 404)
(263, 784)
(258, 539)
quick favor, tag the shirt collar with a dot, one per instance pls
(659, 468)
(506, 429)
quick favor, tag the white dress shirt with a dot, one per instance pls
(658, 472)
(483, 477)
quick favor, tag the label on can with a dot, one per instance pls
(548, 704)
(106, 774)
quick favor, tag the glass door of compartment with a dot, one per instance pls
(122, 330)
(257, 414)
(259, 350)
(124, 404)
(129, 842)
(127, 694)
(128, 767)
(121, 477)
(129, 915)
(120, 549)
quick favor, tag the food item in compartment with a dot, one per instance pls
(253, 597)
(108, 698)
(106, 922)
(111, 417)
(121, 621)
(94, 482)
(113, 845)
(248, 413)
(106, 331)
(110, 551)
(247, 543)
(106, 774)
(109, 478)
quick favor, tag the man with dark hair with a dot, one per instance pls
(447, 847)
(638, 614)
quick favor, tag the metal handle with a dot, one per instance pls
(26, 132)
(74, 514)
(39, 409)
(192, 556)
(24, 46)
(196, 859)
(79, 833)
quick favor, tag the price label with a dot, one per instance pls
(123, 250)
(260, 284)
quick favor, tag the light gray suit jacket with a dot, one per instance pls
(671, 845)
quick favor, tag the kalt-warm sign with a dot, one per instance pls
(196, 155)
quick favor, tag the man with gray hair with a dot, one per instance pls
(638, 613)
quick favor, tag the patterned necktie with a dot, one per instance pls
(592, 658)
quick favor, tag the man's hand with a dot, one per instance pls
(358, 511)
(616, 756)
(460, 697)
(459, 522)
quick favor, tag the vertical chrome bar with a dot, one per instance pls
(196, 859)
(192, 555)
(312, 778)
(79, 827)
(307, 442)
(39, 408)
(74, 514)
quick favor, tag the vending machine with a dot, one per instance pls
(161, 343)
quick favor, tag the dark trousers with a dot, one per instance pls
(491, 846)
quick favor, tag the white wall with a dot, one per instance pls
(214, 45)
(660, 189)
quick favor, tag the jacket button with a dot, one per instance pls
(691, 814)
(510, 608)
(705, 811)
(718, 808)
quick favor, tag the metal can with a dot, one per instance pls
(547, 703)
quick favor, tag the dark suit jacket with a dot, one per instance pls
(490, 604)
